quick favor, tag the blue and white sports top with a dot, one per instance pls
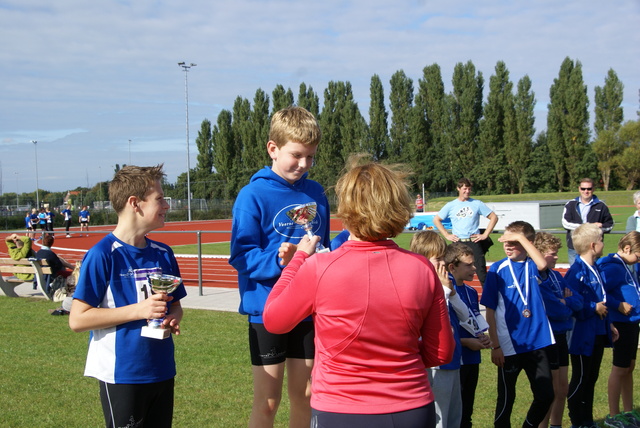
(114, 274)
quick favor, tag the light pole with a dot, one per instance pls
(129, 152)
(35, 145)
(186, 68)
(17, 197)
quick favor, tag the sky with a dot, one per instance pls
(97, 83)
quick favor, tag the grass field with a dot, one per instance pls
(43, 361)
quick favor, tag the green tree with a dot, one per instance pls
(378, 125)
(205, 148)
(540, 177)
(568, 125)
(609, 115)
(428, 131)
(628, 162)
(520, 127)
(608, 104)
(225, 154)
(281, 98)
(308, 99)
(466, 112)
(338, 136)
(243, 136)
(255, 154)
(401, 104)
(491, 171)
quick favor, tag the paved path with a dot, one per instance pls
(213, 298)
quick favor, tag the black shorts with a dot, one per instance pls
(124, 404)
(268, 348)
(558, 354)
(552, 356)
(422, 417)
(625, 349)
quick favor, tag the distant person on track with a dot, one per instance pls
(84, 218)
(66, 212)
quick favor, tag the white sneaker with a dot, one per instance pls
(68, 236)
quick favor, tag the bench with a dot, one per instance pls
(39, 268)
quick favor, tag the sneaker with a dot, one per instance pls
(68, 236)
(633, 417)
(617, 421)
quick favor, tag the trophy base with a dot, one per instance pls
(155, 333)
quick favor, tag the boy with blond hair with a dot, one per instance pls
(518, 324)
(113, 300)
(260, 225)
(592, 331)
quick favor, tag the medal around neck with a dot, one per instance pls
(164, 284)
(304, 215)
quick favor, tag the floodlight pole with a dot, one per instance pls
(35, 145)
(186, 68)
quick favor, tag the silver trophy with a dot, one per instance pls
(304, 215)
(164, 284)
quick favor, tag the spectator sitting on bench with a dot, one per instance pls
(59, 266)
(19, 247)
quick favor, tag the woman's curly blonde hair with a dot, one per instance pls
(373, 199)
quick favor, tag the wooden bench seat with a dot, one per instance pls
(39, 268)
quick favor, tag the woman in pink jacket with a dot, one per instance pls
(379, 311)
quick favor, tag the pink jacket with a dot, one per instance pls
(380, 320)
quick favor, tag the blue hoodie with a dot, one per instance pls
(261, 225)
(621, 286)
(560, 314)
(582, 280)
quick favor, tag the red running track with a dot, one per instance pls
(216, 271)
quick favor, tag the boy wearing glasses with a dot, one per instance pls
(586, 208)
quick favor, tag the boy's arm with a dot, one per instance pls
(528, 246)
(476, 343)
(497, 357)
(84, 317)
(247, 255)
(173, 318)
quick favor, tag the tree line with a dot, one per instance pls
(441, 136)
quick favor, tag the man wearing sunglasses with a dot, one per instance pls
(586, 208)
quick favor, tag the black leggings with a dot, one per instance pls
(422, 417)
(536, 366)
(584, 375)
(469, 374)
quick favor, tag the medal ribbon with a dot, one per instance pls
(517, 284)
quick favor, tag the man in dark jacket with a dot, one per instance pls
(586, 208)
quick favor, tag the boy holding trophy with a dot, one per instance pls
(278, 206)
(114, 299)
